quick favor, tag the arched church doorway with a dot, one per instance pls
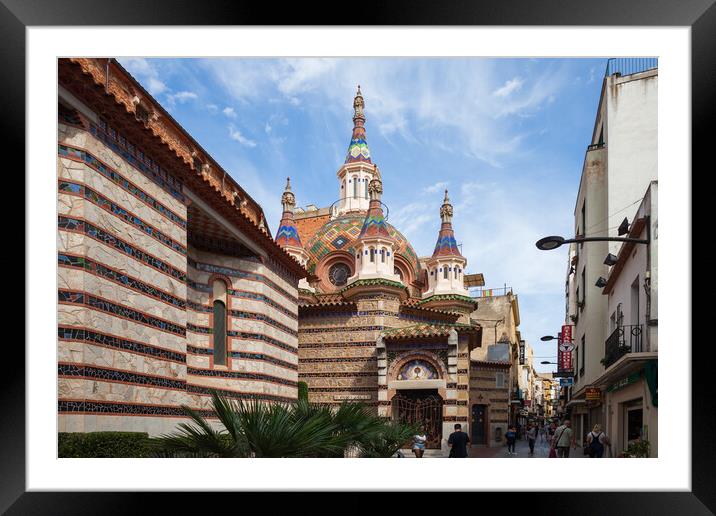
(424, 406)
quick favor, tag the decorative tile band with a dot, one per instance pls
(103, 305)
(322, 345)
(70, 370)
(137, 158)
(98, 269)
(81, 226)
(81, 155)
(243, 354)
(135, 409)
(341, 389)
(240, 375)
(99, 200)
(244, 396)
(243, 294)
(341, 329)
(341, 374)
(338, 359)
(237, 273)
(204, 330)
(112, 341)
(240, 314)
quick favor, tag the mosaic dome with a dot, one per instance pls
(339, 235)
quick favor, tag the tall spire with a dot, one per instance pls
(358, 148)
(287, 234)
(446, 244)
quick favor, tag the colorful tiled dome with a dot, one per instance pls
(341, 233)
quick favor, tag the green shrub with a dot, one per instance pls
(104, 444)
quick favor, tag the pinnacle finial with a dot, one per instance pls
(447, 199)
(288, 184)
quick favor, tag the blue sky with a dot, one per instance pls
(506, 137)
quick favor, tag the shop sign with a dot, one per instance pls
(566, 382)
(564, 355)
(593, 394)
(522, 352)
(624, 382)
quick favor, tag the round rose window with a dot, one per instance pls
(338, 274)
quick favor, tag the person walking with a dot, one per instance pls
(543, 434)
(531, 438)
(419, 441)
(596, 441)
(458, 442)
(564, 439)
(511, 437)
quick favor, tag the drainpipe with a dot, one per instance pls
(647, 284)
(106, 76)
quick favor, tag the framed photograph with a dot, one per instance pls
(258, 253)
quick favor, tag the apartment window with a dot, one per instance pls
(635, 301)
(500, 380)
(584, 216)
(219, 326)
(582, 355)
(584, 285)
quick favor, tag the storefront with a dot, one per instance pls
(632, 411)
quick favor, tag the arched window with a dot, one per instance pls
(355, 187)
(456, 271)
(445, 272)
(219, 329)
(372, 254)
(382, 254)
(366, 187)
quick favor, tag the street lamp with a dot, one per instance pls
(548, 338)
(547, 362)
(553, 242)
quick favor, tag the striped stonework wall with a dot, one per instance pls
(337, 350)
(262, 330)
(484, 390)
(135, 300)
(121, 293)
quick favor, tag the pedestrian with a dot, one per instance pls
(596, 440)
(458, 442)
(511, 437)
(564, 438)
(542, 433)
(419, 441)
(531, 438)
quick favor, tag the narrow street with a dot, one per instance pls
(522, 450)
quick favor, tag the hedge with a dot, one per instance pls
(302, 391)
(104, 444)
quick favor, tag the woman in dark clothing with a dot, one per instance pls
(511, 437)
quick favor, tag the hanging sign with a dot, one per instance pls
(564, 358)
(522, 352)
(593, 394)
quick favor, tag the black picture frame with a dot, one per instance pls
(700, 15)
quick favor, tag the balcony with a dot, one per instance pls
(623, 340)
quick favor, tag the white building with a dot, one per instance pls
(619, 165)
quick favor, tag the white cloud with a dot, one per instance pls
(509, 87)
(212, 108)
(437, 187)
(229, 112)
(236, 135)
(181, 97)
(146, 73)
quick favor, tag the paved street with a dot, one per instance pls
(522, 450)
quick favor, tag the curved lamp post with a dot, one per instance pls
(548, 338)
(553, 242)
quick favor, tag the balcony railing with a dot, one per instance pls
(630, 65)
(490, 292)
(623, 340)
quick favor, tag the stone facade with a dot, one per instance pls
(138, 250)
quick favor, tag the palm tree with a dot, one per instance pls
(301, 429)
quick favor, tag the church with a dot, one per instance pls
(171, 284)
(377, 322)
